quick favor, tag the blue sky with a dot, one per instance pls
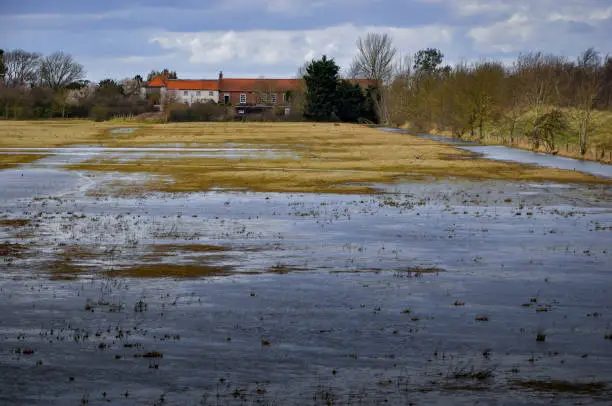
(122, 38)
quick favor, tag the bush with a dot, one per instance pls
(99, 113)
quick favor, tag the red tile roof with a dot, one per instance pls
(157, 81)
(250, 85)
(240, 85)
(182, 84)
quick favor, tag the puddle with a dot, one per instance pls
(73, 155)
(445, 140)
(124, 130)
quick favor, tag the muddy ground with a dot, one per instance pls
(441, 292)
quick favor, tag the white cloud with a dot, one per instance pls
(290, 47)
(562, 26)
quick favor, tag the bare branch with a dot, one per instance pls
(21, 67)
(60, 69)
(375, 58)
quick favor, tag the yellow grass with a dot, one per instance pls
(57, 133)
(12, 161)
(332, 158)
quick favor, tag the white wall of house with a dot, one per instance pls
(196, 96)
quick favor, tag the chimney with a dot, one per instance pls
(220, 75)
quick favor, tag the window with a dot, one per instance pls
(242, 98)
(273, 98)
(198, 93)
(210, 94)
(263, 99)
(186, 93)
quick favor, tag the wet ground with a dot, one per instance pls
(428, 293)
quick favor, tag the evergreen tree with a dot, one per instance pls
(321, 89)
(351, 102)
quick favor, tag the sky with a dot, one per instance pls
(273, 38)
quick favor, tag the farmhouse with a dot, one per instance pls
(234, 91)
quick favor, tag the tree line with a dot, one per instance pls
(541, 99)
(34, 86)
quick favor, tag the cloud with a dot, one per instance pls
(559, 27)
(294, 47)
(274, 37)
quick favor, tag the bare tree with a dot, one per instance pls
(375, 61)
(354, 70)
(59, 69)
(21, 67)
(588, 76)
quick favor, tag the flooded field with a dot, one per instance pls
(437, 291)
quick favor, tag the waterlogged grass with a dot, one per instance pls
(14, 223)
(168, 248)
(556, 386)
(8, 250)
(330, 158)
(169, 271)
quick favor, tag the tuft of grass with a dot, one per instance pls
(541, 337)
(152, 354)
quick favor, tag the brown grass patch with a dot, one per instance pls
(555, 386)
(12, 161)
(170, 271)
(283, 269)
(11, 250)
(78, 252)
(64, 271)
(14, 223)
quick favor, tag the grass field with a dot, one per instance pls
(339, 158)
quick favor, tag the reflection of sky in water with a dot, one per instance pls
(501, 153)
(63, 156)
